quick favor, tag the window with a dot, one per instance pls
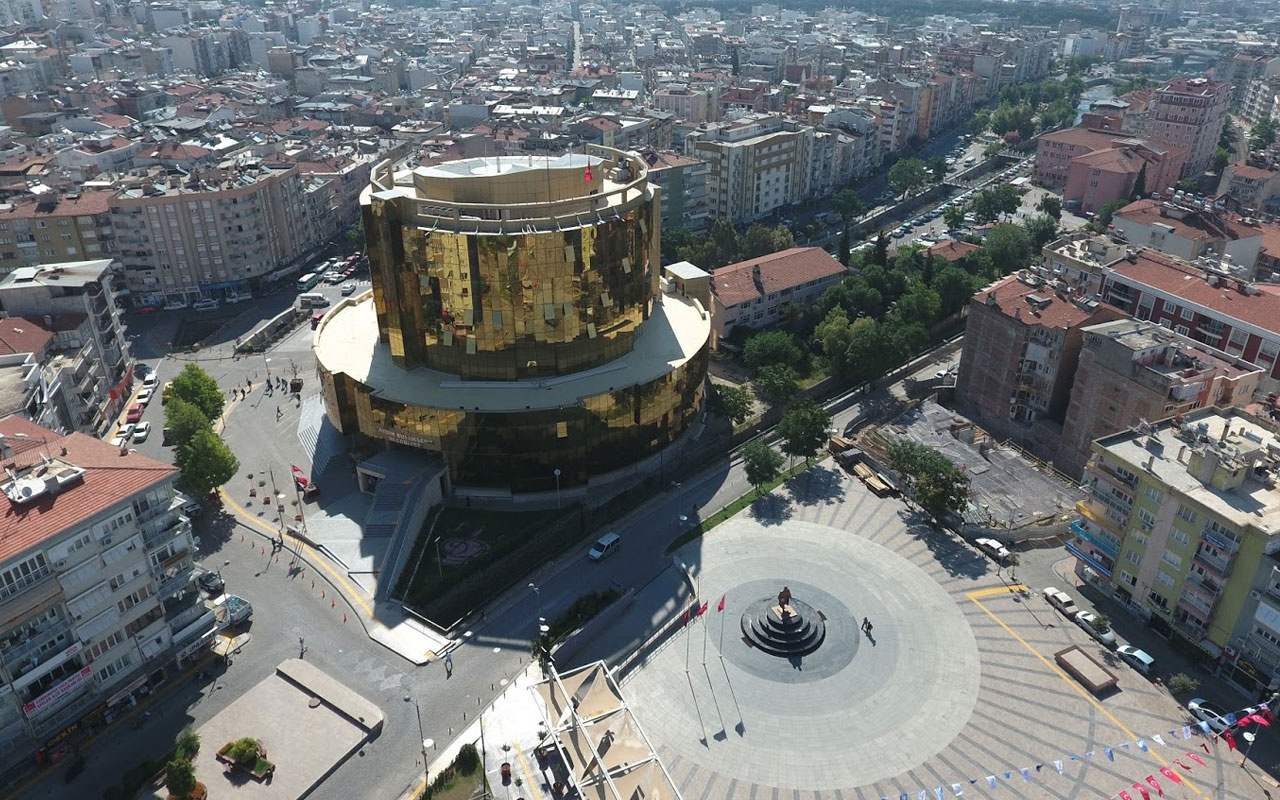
(1186, 514)
(1154, 495)
(1172, 560)
(1133, 557)
(1146, 518)
(1169, 306)
(1164, 578)
(1182, 329)
(1180, 536)
(1128, 579)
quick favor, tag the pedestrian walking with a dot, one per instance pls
(302, 647)
(866, 625)
(248, 383)
(448, 663)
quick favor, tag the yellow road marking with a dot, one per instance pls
(973, 596)
(316, 559)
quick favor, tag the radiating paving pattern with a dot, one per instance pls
(957, 686)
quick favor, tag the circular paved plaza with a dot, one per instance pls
(856, 711)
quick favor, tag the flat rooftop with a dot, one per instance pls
(347, 342)
(1252, 504)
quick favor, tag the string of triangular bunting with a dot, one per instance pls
(1259, 715)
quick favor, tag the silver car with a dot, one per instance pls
(1087, 619)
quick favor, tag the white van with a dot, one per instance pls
(604, 547)
(312, 300)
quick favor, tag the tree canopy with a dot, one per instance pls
(804, 430)
(206, 463)
(908, 175)
(179, 777)
(937, 485)
(777, 383)
(198, 388)
(769, 348)
(183, 421)
(761, 462)
(1009, 247)
(732, 402)
(725, 244)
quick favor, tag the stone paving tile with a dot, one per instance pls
(861, 736)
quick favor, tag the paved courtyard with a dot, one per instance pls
(959, 685)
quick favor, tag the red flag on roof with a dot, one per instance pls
(721, 606)
(703, 610)
(299, 477)
(586, 176)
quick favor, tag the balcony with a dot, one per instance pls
(1220, 542)
(1221, 567)
(1207, 588)
(1104, 516)
(1110, 471)
(19, 648)
(1104, 542)
(1095, 561)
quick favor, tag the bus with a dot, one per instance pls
(308, 281)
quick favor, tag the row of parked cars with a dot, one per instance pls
(1098, 628)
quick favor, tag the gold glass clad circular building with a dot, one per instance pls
(517, 323)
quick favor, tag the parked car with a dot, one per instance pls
(1205, 711)
(211, 583)
(135, 414)
(348, 289)
(141, 433)
(990, 546)
(207, 304)
(1136, 658)
(144, 396)
(122, 436)
(1085, 619)
(150, 381)
(1061, 601)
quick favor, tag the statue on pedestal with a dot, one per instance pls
(784, 599)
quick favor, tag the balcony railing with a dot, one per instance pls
(1220, 567)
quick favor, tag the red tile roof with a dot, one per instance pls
(786, 269)
(952, 250)
(1012, 297)
(1193, 224)
(1176, 277)
(109, 478)
(18, 335)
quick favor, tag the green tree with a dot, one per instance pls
(920, 305)
(187, 745)
(833, 334)
(179, 778)
(804, 430)
(183, 421)
(675, 241)
(855, 296)
(953, 216)
(1191, 184)
(733, 403)
(777, 383)
(880, 251)
(994, 148)
(938, 486)
(954, 287)
(848, 205)
(355, 234)
(873, 349)
(980, 121)
(761, 240)
(771, 347)
(1009, 247)
(1108, 211)
(938, 168)
(1050, 205)
(1263, 134)
(1041, 229)
(1016, 118)
(206, 463)
(199, 389)
(1221, 159)
(1140, 183)
(907, 175)
(761, 462)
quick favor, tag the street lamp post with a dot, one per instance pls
(421, 737)
(556, 472)
(1250, 737)
(538, 593)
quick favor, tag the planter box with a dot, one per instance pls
(261, 770)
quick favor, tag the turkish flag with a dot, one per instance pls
(1231, 740)
(686, 616)
(721, 606)
(1125, 796)
(1152, 780)
(586, 176)
(1261, 720)
(1171, 775)
(703, 610)
(299, 477)
(1145, 794)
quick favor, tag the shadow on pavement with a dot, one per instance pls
(819, 484)
(771, 509)
(953, 556)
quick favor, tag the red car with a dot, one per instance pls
(135, 414)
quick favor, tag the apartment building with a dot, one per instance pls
(753, 293)
(685, 203)
(1080, 257)
(1021, 345)
(48, 228)
(218, 232)
(1130, 371)
(1252, 187)
(693, 105)
(1209, 306)
(95, 583)
(89, 376)
(1057, 164)
(1188, 113)
(1180, 525)
(1189, 232)
(759, 163)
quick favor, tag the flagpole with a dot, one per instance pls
(686, 641)
(704, 644)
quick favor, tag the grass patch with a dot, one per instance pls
(583, 609)
(473, 557)
(458, 781)
(733, 508)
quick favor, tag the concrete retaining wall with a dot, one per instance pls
(574, 642)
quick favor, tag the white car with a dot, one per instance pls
(1136, 658)
(1061, 601)
(150, 381)
(1205, 711)
(991, 547)
(348, 289)
(141, 432)
(1085, 619)
(122, 435)
(145, 395)
(207, 304)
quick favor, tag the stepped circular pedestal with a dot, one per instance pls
(797, 629)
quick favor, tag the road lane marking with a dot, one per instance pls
(974, 598)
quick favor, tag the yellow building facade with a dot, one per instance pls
(517, 322)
